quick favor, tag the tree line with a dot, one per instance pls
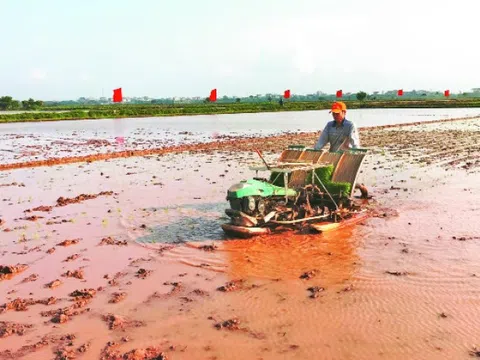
(8, 103)
(277, 97)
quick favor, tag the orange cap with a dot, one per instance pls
(338, 107)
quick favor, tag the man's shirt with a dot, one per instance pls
(337, 135)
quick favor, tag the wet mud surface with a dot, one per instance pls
(243, 143)
(131, 263)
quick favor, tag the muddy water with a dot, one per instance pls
(404, 284)
(37, 141)
(396, 287)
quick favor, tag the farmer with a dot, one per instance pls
(340, 133)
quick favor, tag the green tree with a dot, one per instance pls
(31, 104)
(361, 95)
(7, 103)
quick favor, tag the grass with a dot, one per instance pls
(76, 112)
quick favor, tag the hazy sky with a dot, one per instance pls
(62, 49)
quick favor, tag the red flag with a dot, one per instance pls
(447, 93)
(339, 93)
(117, 95)
(286, 94)
(213, 95)
(400, 92)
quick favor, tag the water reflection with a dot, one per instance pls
(189, 223)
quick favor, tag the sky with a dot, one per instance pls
(62, 49)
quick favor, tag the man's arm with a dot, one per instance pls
(353, 138)
(322, 140)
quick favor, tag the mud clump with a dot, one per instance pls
(30, 278)
(200, 292)
(315, 291)
(142, 273)
(42, 208)
(83, 294)
(72, 258)
(78, 274)
(147, 354)
(32, 218)
(177, 287)
(20, 304)
(118, 322)
(53, 284)
(50, 251)
(212, 247)
(110, 352)
(114, 281)
(346, 289)
(231, 324)
(64, 348)
(61, 201)
(65, 354)
(83, 348)
(13, 184)
(111, 241)
(62, 315)
(63, 221)
(36, 248)
(48, 301)
(397, 273)
(82, 297)
(10, 328)
(383, 213)
(232, 286)
(9, 271)
(309, 274)
(165, 248)
(117, 297)
(69, 242)
(465, 238)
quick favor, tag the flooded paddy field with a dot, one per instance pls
(43, 141)
(124, 257)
